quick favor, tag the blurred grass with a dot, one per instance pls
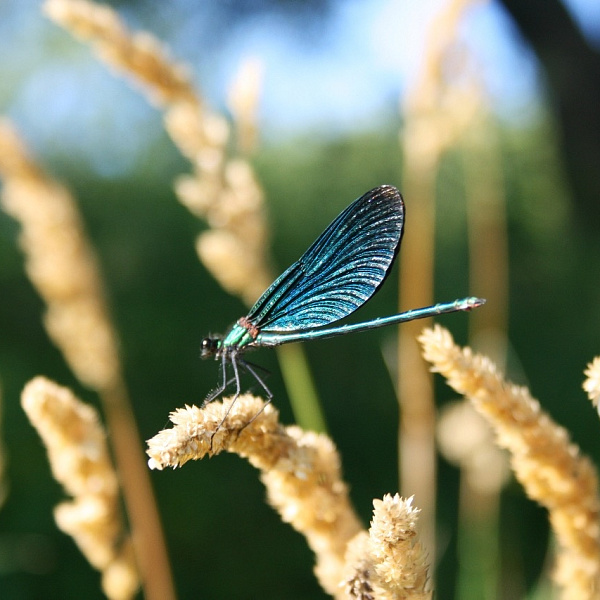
(164, 302)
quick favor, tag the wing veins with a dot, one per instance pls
(340, 271)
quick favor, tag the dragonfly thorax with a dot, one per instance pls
(240, 336)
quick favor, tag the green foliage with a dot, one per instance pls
(223, 540)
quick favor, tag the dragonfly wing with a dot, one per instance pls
(341, 270)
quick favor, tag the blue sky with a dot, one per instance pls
(369, 55)
(374, 54)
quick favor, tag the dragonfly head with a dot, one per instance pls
(210, 346)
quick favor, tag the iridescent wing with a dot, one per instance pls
(343, 268)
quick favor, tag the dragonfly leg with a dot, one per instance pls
(236, 372)
(224, 385)
(251, 368)
(244, 363)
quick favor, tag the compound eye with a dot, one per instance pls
(209, 347)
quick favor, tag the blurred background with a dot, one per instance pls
(339, 82)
